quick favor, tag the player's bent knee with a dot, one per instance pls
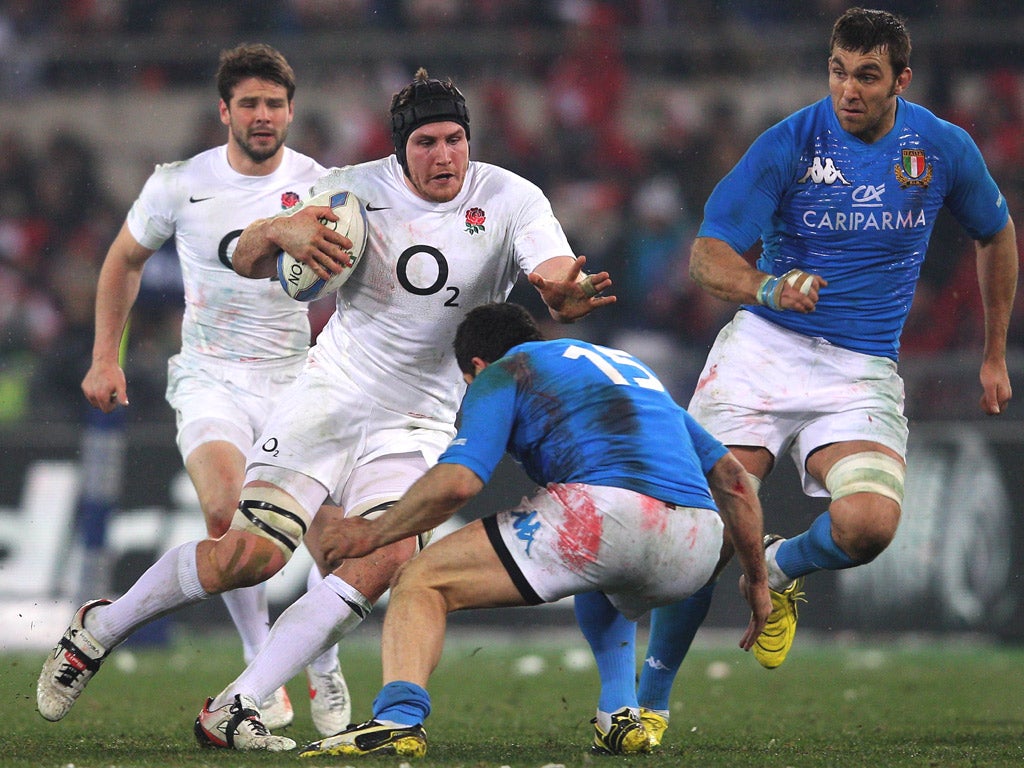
(272, 514)
(867, 472)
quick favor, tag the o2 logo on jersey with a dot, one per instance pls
(222, 247)
(402, 271)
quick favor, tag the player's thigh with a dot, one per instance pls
(464, 569)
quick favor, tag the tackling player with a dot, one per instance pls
(625, 513)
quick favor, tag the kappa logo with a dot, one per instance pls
(823, 172)
(526, 526)
(654, 663)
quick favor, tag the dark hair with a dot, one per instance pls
(425, 100)
(863, 30)
(253, 60)
(491, 330)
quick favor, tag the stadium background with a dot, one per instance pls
(625, 113)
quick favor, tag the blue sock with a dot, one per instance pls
(813, 550)
(402, 703)
(612, 639)
(673, 628)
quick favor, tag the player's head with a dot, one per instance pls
(867, 69)
(253, 60)
(430, 130)
(862, 30)
(256, 86)
(491, 330)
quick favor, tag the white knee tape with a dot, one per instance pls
(272, 514)
(867, 472)
(377, 507)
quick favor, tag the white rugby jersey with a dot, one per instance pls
(425, 266)
(205, 204)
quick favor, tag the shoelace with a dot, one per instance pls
(335, 694)
(68, 674)
(257, 726)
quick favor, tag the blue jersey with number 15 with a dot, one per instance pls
(573, 412)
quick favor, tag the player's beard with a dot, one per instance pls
(262, 152)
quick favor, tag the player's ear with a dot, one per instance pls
(903, 81)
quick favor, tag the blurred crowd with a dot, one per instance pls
(629, 199)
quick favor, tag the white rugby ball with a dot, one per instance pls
(297, 278)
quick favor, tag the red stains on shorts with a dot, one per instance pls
(654, 513)
(579, 535)
(712, 374)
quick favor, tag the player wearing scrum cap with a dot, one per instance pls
(376, 402)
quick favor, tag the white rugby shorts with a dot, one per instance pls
(224, 400)
(325, 427)
(766, 386)
(575, 538)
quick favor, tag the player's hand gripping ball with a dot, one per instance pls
(297, 278)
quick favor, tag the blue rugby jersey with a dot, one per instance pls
(860, 215)
(573, 412)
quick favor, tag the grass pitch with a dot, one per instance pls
(525, 701)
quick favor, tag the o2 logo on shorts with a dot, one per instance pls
(270, 446)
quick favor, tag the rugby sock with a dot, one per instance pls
(813, 550)
(612, 639)
(308, 627)
(328, 660)
(401, 703)
(673, 628)
(172, 582)
(251, 616)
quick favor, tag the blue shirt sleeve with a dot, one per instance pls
(975, 200)
(488, 414)
(743, 203)
(709, 449)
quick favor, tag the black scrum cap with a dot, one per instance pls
(425, 100)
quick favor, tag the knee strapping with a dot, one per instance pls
(377, 507)
(867, 472)
(272, 514)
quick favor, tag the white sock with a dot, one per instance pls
(328, 660)
(308, 627)
(172, 582)
(604, 719)
(777, 578)
(251, 616)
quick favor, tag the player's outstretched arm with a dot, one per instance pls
(568, 293)
(301, 234)
(997, 277)
(740, 509)
(430, 501)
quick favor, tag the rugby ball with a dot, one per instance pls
(298, 279)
